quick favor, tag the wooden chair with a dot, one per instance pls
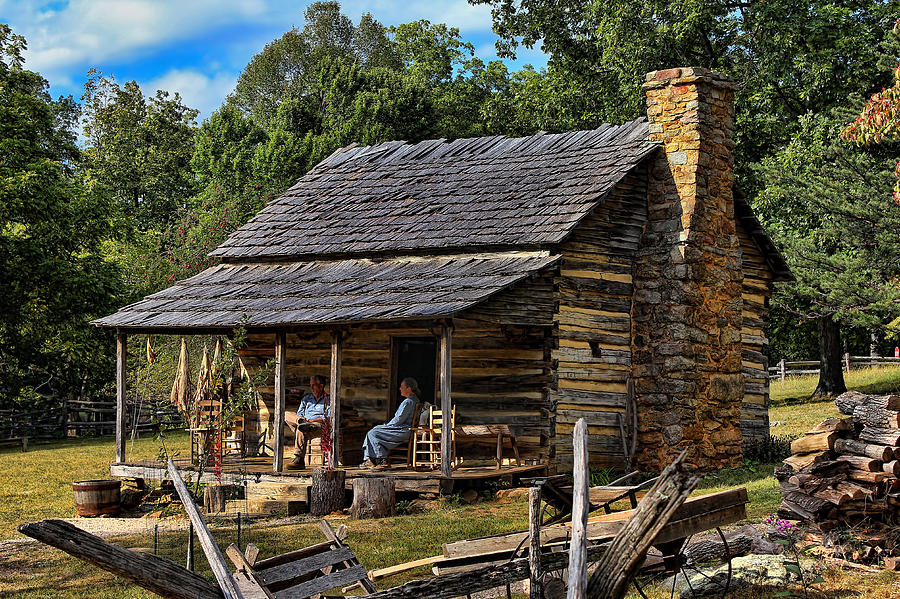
(208, 425)
(426, 440)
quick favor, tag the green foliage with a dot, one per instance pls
(138, 152)
(824, 205)
(53, 279)
(788, 58)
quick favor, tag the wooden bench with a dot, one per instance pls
(23, 441)
(500, 432)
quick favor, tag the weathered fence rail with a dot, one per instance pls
(783, 369)
(85, 418)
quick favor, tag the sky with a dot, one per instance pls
(197, 47)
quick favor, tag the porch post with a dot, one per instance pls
(280, 359)
(446, 447)
(334, 407)
(121, 384)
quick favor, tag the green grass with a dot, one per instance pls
(868, 380)
(37, 484)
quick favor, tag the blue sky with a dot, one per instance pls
(197, 47)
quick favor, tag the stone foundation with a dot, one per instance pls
(686, 336)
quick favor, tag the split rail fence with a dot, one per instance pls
(783, 369)
(85, 419)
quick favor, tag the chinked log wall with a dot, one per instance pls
(756, 293)
(501, 366)
(593, 323)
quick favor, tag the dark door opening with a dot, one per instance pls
(414, 357)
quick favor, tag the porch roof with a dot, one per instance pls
(325, 292)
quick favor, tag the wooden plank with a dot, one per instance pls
(121, 392)
(338, 540)
(376, 575)
(296, 569)
(580, 508)
(291, 556)
(693, 512)
(280, 363)
(335, 402)
(210, 549)
(245, 576)
(446, 403)
(315, 586)
(152, 572)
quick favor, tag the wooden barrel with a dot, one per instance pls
(96, 497)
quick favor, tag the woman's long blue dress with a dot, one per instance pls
(384, 437)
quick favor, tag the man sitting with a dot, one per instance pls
(307, 422)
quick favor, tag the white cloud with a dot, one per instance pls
(96, 31)
(198, 90)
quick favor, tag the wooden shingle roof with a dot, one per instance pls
(487, 192)
(336, 291)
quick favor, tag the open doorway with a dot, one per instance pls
(415, 357)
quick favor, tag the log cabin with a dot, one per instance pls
(614, 275)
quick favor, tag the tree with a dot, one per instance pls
(823, 205)
(787, 58)
(879, 120)
(138, 151)
(53, 278)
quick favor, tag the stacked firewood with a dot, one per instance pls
(846, 469)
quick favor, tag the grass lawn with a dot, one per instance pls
(37, 485)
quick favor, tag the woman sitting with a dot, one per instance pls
(384, 437)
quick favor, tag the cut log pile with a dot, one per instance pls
(847, 469)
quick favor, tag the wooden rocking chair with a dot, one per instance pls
(426, 440)
(208, 425)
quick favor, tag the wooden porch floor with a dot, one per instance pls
(236, 470)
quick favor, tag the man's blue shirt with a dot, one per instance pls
(311, 409)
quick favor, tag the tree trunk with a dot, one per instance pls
(831, 373)
(327, 492)
(373, 497)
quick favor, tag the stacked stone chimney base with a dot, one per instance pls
(686, 337)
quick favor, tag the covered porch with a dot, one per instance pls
(479, 343)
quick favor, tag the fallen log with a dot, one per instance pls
(832, 424)
(876, 417)
(815, 442)
(847, 402)
(708, 550)
(152, 572)
(881, 436)
(876, 452)
(805, 460)
(862, 463)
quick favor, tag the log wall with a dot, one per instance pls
(757, 290)
(592, 323)
(501, 366)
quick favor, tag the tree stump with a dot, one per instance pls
(373, 497)
(214, 499)
(327, 492)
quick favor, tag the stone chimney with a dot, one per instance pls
(686, 336)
